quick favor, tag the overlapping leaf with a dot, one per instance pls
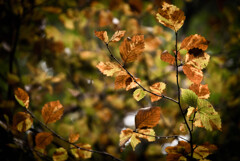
(195, 41)
(189, 97)
(124, 80)
(170, 16)
(167, 57)
(202, 151)
(201, 90)
(131, 48)
(139, 94)
(108, 68)
(199, 61)
(22, 97)
(194, 74)
(157, 88)
(43, 139)
(22, 121)
(117, 36)
(102, 35)
(81, 154)
(60, 154)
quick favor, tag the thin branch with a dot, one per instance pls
(63, 139)
(162, 96)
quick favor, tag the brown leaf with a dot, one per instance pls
(117, 35)
(125, 135)
(157, 88)
(152, 43)
(52, 111)
(105, 18)
(195, 41)
(22, 121)
(199, 60)
(131, 48)
(22, 97)
(108, 68)
(147, 117)
(167, 57)
(102, 35)
(73, 137)
(175, 152)
(195, 75)
(201, 90)
(124, 80)
(43, 139)
(170, 16)
(202, 151)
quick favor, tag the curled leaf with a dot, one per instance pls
(22, 97)
(157, 88)
(43, 139)
(108, 68)
(102, 35)
(125, 136)
(117, 36)
(22, 121)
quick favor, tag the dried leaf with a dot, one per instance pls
(195, 41)
(102, 35)
(124, 80)
(195, 75)
(60, 154)
(176, 152)
(189, 97)
(52, 111)
(117, 36)
(152, 43)
(43, 139)
(170, 16)
(73, 137)
(108, 68)
(201, 90)
(105, 18)
(202, 151)
(132, 48)
(22, 97)
(199, 60)
(81, 154)
(147, 117)
(167, 57)
(22, 121)
(125, 136)
(139, 94)
(157, 88)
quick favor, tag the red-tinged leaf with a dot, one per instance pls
(117, 36)
(73, 137)
(147, 117)
(124, 80)
(108, 68)
(194, 75)
(195, 41)
(170, 16)
(43, 139)
(52, 111)
(60, 154)
(157, 88)
(22, 121)
(22, 97)
(81, 154)
(102, 35)
(201, 90)
(167, 57)
(131, 48)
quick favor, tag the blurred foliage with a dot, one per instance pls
(48, 48)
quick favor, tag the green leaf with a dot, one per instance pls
(189, 97)
(138, 94)
(60, 154)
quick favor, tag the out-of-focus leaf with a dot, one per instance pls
(22, 121)
(108, 68)
(117, 36)
(139, 94)
(202, 151)
(43, 139)
(102, 35)
(189, 97)
(178, 152)
(73, 137)
(60, 154)
(201, 90)
(157, 88)
(22, 97)
(81, 154)
(167, 57)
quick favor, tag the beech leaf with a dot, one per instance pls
(117, 36)
(147, 117)
(60, 154)
(22, 121)
(108, 68)
(81, 154)
(125, 136)
(195, 41)
(139, 94)
(189, 97)
(43, 139)
(124, 80)
(73, 137)
(22, 97)
(201, 90)
(102, 35)
(202, 151)
(178, 152)
(52, 111)
(157, 88)
(167, 57)
(199, 61)
(195, 75)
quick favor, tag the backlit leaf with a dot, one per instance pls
(102, 35)
(138, 94)
(131, 48)
(108, 68)
(125, 136)
(43, 139)
(195, 41)
(22, 97)
(190, 113)
(73, 137)
(22, 121)
(170, 16)
(167, 57)
(189, 97)
(52, 111)
(157, 88)
(124, 80)
(60, 154)
(202, 151)
(117, 36)
(135, 140)
(147, 117)
(81, 154)
(200, 60)
(178, 152)
(194, 75)
(201, 90)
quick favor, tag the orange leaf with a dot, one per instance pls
(117, 36)
(147, 117)
(167, 57)
(73, 137)
(105, 18)
(124, 80)
(195, 75)
(52, 111)
(157, 88)
(43, 139)
(108, 68)
(201, 90)
(125, 136)
(195, 41)
(175, 152)
(132, 48)
(22, 121)
(102, 35)
(22, 97)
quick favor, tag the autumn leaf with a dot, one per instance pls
(102, 35)
(52, 111)
(124, 80)
(43, 139)
(201, 90)
(199, 61)
(190, 112)
(108, 68)
(195, 42)
(22, 121)
(167, 57)
(147, 117)
(60, 154)
(157, 88)
(170, 16)
(125, 136)
(189, 97)
(73, 137)
(202, 151)
(117, 36)
(131, 48)
(139, 94)
(194, 75)
(22, 97)
(81, 154)
(179, 151)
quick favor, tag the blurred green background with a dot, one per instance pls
(49, 49)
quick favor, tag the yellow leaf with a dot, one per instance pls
(43, 139)
(108, 68)
(60, 154)
(81, 154)
(22, 121)
(22, 97)
(125, 135)
(135, 140)
(117, 35)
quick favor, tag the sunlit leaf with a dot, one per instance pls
(139, 94)
(108, 68)
(60, 154)
(73, 137)
(157, 88)
(52, 111)
(195, 41)
(199, 60)
(131, 48)
(43, 139)
(22, 97)
(147, 117)
(102, 35)
(167, 57)
(22, 121)
(117, 36)
(124, 80)
(201, 90)
(202, 151)
(189, 97)
(81, 154)
(194, 75)
(170, 16)
(135, 140)
(178, 152)
(190, 113)
(125, 136)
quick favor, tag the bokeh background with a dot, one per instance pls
(49, 49)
